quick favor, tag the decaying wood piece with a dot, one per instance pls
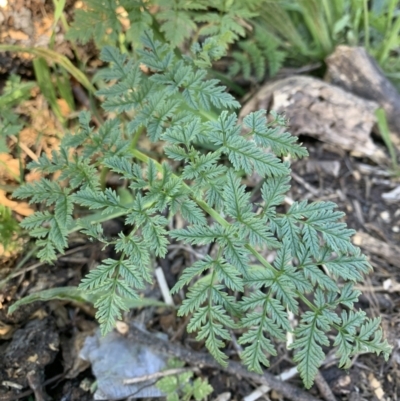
(321, 110)
(389, 252)
(392, 196)
(354, 70)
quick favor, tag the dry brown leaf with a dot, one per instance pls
(39, 314)
(17, 35)
(64, 108)
(33, 176)
(28, 136)
(21, 208)
(6, 331)
(9, 167)
(123, 17)
(44, 124)
(44, 26)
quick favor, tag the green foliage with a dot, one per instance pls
(255, 53)
(261, 35)
(234, 287)
(78, 295)
(14, 91)
(310, 30)
(176, 21)
(182, 386)
(387, 139)
(53, 83)
(9, 227)
(98, 20)
(181, 23)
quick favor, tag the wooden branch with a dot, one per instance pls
(200, 360)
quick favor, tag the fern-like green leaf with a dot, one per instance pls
(281, 143)
(309, 338)
(108, 200)
(242, 153)
(160, 93)
(199, 235)
(101, 23)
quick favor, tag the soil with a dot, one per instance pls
(40, 342)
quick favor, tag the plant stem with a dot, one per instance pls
(209, 210)
(103, 177)
(99, 217)
(21, 263)
(306, 301)
(136, 137)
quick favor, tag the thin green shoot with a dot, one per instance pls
(366, 24)
(385, 132)
(44, 79)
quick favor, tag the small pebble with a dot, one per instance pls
(387, 284)
(122, 327)
(385, 216)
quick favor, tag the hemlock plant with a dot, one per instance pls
(234, 287)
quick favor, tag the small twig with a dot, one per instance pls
(162, 283)
(324, 388)
(236, 345)
(305, 184)
(29, 392)
(260, 391)
(36, 385)
(288, 71)
(288, 201)
(38, 264)
(24, 148)
(198, 255)
(159, 375)
(139, 390)
(11, 384)
(206, 360)
(181, 329)
(379, 288)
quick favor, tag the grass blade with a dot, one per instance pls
(385, 132)
(53, 56)
(44, 80)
